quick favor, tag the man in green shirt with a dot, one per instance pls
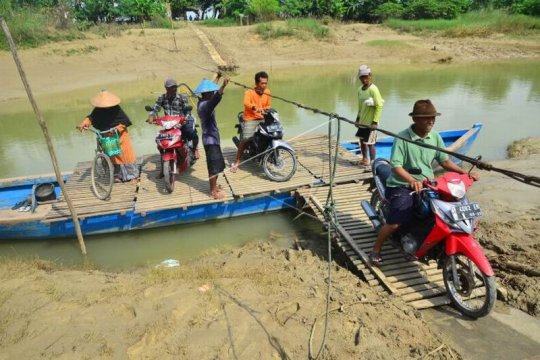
(407, 155)
(370, 104)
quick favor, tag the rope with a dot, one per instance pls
(331, 221)
(527, 179)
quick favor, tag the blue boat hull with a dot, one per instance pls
(13, 191)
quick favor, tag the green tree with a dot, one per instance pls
(95, 10)
(527, 7)
(5, 8)
(433, 9)
(263, 9)
(389, 10)
(233, 8)
(142, 9)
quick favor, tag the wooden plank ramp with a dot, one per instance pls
(418, 284)
(85, 202)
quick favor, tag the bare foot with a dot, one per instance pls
(364, 162)
(117, 180)
(218, 195)
(196, 154)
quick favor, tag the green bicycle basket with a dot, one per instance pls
(111, 144)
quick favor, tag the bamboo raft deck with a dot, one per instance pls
(416, 283)
(192, 188)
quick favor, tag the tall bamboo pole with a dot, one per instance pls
(45, 130)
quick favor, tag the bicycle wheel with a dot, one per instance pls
(102, 175)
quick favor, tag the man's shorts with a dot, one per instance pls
(367, 135)
(249, 127)
(214, 159)
(401, 205)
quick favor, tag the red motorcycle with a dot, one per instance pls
(176, 152)
(442, 230)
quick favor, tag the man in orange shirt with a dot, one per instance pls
(256, 100)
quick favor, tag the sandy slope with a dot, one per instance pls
(154, 53)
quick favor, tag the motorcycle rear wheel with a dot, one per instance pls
(168, 175)
(279, 164)
(473, 293)
(102, 176)
(377, 205)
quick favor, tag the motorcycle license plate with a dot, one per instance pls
(464, 212)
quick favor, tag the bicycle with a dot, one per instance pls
(102, 171)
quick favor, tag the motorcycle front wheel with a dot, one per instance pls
(168, 175)
(102, 176)
(470, 290)
(279, 164)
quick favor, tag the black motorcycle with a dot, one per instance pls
(267, 146)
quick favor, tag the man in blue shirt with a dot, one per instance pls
(211, 95)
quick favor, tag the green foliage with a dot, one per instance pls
(295, 8)
(143, 9)
(233, 8)
(389, 10)
(387, 43)
(434, 9)
(31, 28)
(95, 10)
(263, 9)
(5, 8)
(219, 22)
(527, 7)
(478, 23)
(298, 28)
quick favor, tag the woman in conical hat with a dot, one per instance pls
(107, 114)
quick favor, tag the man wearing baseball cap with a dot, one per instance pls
(370, 104)
(173, 103)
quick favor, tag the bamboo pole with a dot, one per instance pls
(43, 124)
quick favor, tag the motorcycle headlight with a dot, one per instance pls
(457, 190)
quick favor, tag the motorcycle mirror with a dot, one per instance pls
(415, 171)
(148, 108)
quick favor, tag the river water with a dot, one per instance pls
(505, 97)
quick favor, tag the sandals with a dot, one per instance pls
(375, 258)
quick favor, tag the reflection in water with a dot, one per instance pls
(495, 94)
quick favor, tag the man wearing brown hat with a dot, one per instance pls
(407, 155)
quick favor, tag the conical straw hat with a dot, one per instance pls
(104, 99)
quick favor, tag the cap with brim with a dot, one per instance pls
(169, 83)
(424, 108)
(364, 70)
(206, 86)
(104, 99)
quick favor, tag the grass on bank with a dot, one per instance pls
(480, 23)
(387, 44)
(297, 28)
(30, 28)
